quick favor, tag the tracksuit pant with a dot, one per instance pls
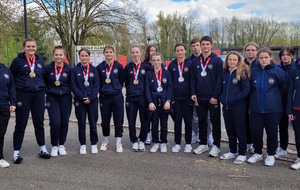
(296, 126)
(26, 102)
(269, 122)
(159, 115)
(4, 118)
(112, 104)
(59, 111)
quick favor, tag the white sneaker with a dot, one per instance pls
(281, 153)
(62, 150)
(296, 165)
(188, 148)
(270, 160)
(104, 146)
(142, 146)
(255, 158)
(82, 149)
(119, 147)
(54, 151)
(240, 159)
(135, 147)
(148, 139)
(176, 148)
(163, 148)
(154, 148)
(214, 152)
(4, 164)
(228, 156)
(200, 149)
(94, 149)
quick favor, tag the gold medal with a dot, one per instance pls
(32, 74)
(107, 80)
(135, 81)
(57, 83)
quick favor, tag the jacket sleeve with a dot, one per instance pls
(219, 80)
(96, 86)
(245, 83)
(148, 88)
(193, 79)
(12, 91)
(169, 87)
(74, 87)
(121, 75)
(290, 94)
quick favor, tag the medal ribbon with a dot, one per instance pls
(59, 73)
(180, 70)
(206, 63)
(110, 68)
(31, 66)
(158, 79)
(86, 74)
(136, 73)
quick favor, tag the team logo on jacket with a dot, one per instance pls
(164, 80)
(234, 81)
(186, 69)
(26, 65)
(76, 104)
(6, 76)
(297, 78)
(116, 71)
(39, 65)
(271, 81)
(65, 74)
(143, 71)
(19, 104)
(47, 104)
(209, 66)
(91, 75)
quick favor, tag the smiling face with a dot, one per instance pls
(109, 54)
(84, 58)
(156, 61)
(180, 52)
(135, 53)
(232, 61)
(30, 48)
(59, 56)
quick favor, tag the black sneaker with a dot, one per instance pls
(44, 155)
(18, 159)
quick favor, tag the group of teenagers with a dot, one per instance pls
(255, 94)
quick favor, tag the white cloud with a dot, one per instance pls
(287, 10)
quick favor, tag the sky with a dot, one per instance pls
(280, 10)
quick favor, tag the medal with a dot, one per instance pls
(159, 89)
(107, 80)
(32, 74)
(31, 66)
(180, 70)
(86, 83)
(136, 73)
(180, 79)
(135, 81)
(203, 72)
(57, 83)
(57, 75)
(86, 75)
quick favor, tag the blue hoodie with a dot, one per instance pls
(293, 97)
(7, 88)
(20, 70)
(267, 85)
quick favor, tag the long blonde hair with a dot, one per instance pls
(242, 69)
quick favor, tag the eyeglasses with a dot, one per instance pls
(251, 50)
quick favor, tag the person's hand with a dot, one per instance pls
(291, 117)
(194, 98)
(167, 105)
(152, 107)
(12, 108)
(213, 101)
(86, 100)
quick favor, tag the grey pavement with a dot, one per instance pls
(135, 170)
